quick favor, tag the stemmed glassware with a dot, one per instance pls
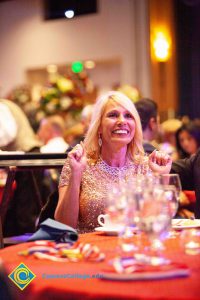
(116, 205)
(172, 186)
(172, 180)
(154, 221)
(120, 207)
(170, 192)
(148, 202)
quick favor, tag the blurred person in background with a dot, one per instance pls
(168, 131)
(188, 139)
(51, 133)
(77, 133)
(86, 116)
(16, 134)
(188, 143)
(189, 172)
(148, 112)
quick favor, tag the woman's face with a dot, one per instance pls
(117, 125)
(187, 142)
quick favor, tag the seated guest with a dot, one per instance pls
(112, 142)
(188, 142)
(148, 112)
(188, 139)
(76, 133)
(51, 133)
(168, 131)
(16, 134)
(189, 172)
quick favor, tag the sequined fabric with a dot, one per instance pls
(97, 179)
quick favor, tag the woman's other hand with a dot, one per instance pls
(77, 158)
(160, 162)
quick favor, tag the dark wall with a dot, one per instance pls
(187, 14)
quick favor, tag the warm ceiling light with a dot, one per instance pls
(89, 64)
(161, 47)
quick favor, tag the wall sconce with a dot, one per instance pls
(161, 46)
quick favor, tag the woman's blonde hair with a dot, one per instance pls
(91, 140)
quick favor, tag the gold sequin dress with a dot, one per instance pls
(97, 179)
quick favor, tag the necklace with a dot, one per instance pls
(115, 171)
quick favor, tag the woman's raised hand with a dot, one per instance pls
(160, 162)
(77, 158)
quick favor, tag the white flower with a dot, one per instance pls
(50, 107)
(65, 102)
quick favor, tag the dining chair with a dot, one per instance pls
(49, 208)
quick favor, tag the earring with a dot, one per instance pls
(100, 141)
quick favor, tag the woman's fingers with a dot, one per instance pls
(77, 152)
(160, 162)
(160, 158)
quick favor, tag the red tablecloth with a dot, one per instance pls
(190, 195)
(49, 289)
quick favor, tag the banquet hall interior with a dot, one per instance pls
(57, 58)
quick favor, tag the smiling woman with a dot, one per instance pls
(106, 157)
(117, 129)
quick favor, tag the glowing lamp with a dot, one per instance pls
(161, 47)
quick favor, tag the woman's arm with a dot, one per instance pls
(67, 209)
(68, 204)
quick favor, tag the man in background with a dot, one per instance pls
(77, 133)
(148, 112)
(51, 133)
(189, 172)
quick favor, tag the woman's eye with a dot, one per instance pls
(128, 116)
(112, 114)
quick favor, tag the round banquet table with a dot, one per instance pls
(94, 288)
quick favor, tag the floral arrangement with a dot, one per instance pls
(22, 96)
(66, 93)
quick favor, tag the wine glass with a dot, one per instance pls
(120, 208)
(116, 204)
(169, 183)
(172, 180)
(154, 221)
(170, 193)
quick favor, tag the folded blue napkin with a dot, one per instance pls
(55, 231)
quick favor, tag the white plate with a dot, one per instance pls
(112, 230)
(185, 223)
(108, 230)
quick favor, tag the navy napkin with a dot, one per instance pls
(55, 231)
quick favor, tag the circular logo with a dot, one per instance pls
(21, 276)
